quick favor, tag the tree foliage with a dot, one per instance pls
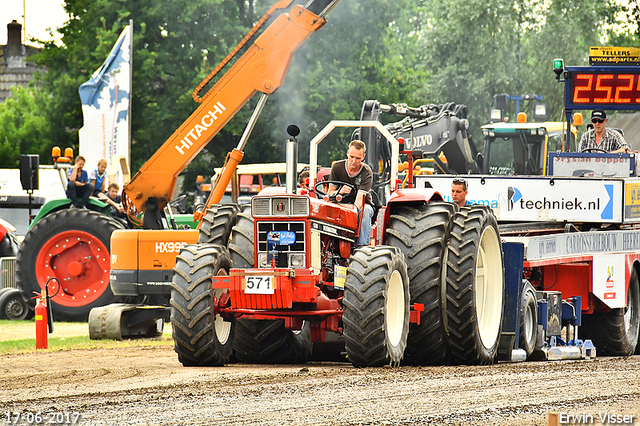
(22, 129)
(478, 48)
(416, 52)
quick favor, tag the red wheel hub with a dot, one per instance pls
(80, 262)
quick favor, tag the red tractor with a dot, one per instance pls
(292, 275)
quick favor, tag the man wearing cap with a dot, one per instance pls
(601, 138)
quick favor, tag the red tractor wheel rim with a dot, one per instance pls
(80, 262)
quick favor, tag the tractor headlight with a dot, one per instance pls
(262, 260)
(296, 260)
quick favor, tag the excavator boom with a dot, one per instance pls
(262, 68)
(142, 260)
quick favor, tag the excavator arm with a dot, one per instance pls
(431, 130)
(142, 260)
(262, 68)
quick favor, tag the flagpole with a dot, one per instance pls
(130, 92)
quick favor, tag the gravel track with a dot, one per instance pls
(148, 386)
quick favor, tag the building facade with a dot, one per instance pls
(15, 70)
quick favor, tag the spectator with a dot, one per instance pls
(79, 184)
(114, 200)
(98, 178)
(459, 190)
(303, 179)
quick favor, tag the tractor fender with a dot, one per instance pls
(408, 196)
(64, 203)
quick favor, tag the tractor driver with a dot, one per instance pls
(600, 138)
(353, 171)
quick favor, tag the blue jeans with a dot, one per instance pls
(365, 227)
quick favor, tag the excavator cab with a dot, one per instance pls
(523, 148)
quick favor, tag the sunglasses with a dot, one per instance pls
(459, 181)
(597, 120)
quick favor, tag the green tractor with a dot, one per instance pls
(69, 247)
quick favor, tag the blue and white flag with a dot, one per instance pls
(106, 107)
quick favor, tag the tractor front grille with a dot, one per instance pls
(284, 256)
(280, 206)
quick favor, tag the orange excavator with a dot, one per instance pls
(142, 259)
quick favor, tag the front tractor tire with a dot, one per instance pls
(201, 336)
(616, 332)
(376, 307)
(475, 286)
(421, 233)
(71, 245)
(217, 223)
(269, 342)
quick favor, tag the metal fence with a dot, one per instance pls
(8, 272)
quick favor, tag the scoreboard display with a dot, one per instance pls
(606, 87)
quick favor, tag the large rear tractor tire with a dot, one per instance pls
(528, 319)
(376, 307)
(71, 245)
(269, 342)
(264, 341)
(616, 332)
(421, 233)
(217, 224)
(475, 286)
(200, 336)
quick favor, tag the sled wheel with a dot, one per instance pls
(616, 332)
(528, 319)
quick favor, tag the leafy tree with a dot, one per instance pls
(394, 51)
(477, 48)
(22, 129)
(628, 31)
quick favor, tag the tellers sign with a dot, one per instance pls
(613, 87)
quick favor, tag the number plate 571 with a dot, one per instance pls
(259, 285)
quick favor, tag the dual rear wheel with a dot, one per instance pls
(455, 267)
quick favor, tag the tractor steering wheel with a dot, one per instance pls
(594, 150)
(322, 187)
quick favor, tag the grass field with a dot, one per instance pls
(20, 337)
